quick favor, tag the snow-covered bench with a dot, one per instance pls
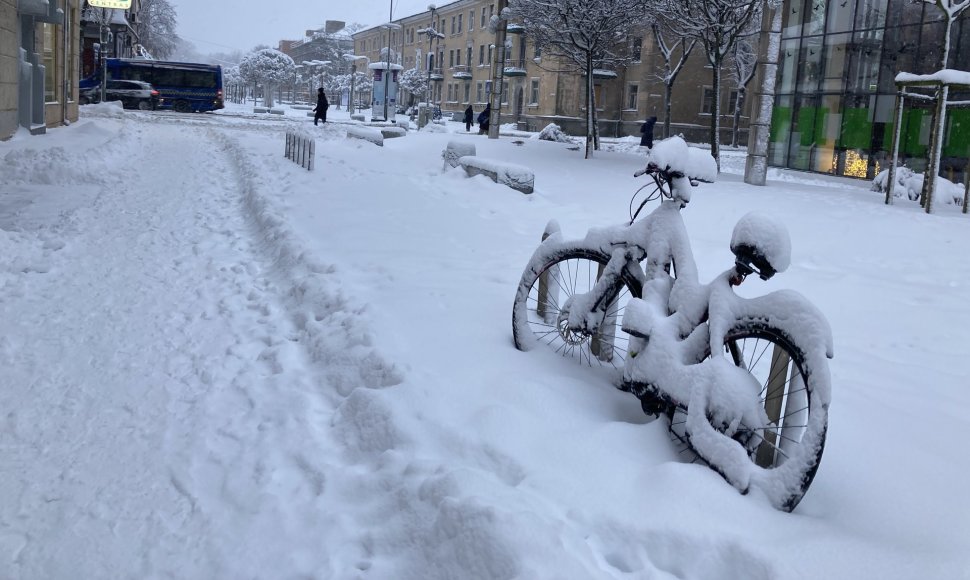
(260, 110)
(367, 134)
(277, 111)
(455, 151)
(517, 177)
(392, 132)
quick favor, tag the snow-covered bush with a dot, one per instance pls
(553, 132)
(910, 184)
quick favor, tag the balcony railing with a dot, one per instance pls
(436, 74)
(514, 68)
(461, 72)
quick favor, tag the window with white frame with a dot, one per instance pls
(479, 91)
(534, 92)
(471, 20)
(632, 96)
(453, 21)
(468, 92)
(483, 18)
(636, 49)
(481, 55)
(460, 16)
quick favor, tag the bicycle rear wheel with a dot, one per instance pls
(788, 445)
(548, 281)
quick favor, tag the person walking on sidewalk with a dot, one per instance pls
(322, 105)
(469, 118)
(484, 118)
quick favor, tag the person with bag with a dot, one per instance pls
(483, 119)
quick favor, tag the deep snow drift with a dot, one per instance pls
(217, 364)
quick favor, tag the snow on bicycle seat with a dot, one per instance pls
(673, 155)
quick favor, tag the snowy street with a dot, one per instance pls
(216, 364)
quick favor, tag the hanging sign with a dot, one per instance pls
(120, 4)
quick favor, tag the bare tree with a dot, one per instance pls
(717, 25)
(585, 35)
(674, 58)
(157, 22)
(744, 62)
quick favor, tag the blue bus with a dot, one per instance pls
(182, 86)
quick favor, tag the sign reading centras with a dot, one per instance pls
(120, 4)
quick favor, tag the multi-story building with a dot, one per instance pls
(834, 97)
(39, 42)
(536, 89)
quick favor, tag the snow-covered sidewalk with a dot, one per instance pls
(216, 364)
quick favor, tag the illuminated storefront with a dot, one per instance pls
(835, 93)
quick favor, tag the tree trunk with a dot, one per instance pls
(716, 115)
(668, 93)
(590, 138)
(738, 107)
(268, 95)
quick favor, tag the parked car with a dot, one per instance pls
(132, 94)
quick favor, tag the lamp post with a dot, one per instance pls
(432, 33)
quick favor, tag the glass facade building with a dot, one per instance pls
(836, 94)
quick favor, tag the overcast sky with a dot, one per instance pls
(223, 25)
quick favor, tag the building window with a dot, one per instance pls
(471, 20)
(481, 55)
(453, 21)
(534, 92)
(459, 22)
(632, 96)
(707, 102)
(637, 48)
(490, 55)
(469, 60)
(479, 94)
(458, 57)
(483, 18)
(451, 58)
(732, 102)
(505, 93)
(50, 63)
(468, 92)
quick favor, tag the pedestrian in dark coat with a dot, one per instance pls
(647, 129)
(469, 118)
(483, 119)
(321, 108)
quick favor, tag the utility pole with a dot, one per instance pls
(498, 73)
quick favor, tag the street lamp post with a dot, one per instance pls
(432, 33)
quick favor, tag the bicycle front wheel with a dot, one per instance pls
(547, 283)
(788, 444)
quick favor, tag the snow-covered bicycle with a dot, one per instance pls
(744, 383)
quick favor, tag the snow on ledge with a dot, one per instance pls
(949, 76)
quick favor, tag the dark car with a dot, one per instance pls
(132, 94)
